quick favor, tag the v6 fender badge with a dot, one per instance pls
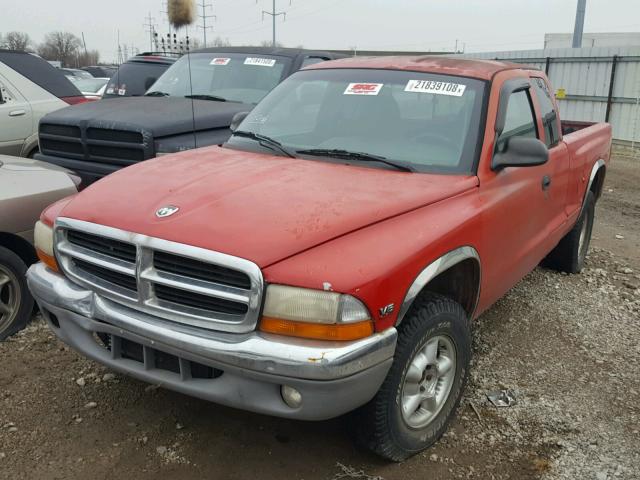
(387, 310)
(166, 211)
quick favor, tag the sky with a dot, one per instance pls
(416, 25)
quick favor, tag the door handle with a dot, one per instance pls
(17, 113)
(546, 182)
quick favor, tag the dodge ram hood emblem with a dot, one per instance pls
(166, 211)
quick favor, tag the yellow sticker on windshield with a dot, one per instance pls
(437, 88)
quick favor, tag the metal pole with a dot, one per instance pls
(273, 16)
(204, 23)
(612, 80)
(579, 27)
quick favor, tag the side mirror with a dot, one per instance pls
(238, 118)
(148, 83)
(520, 152)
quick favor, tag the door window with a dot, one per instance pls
(548, 112)
(520, 120)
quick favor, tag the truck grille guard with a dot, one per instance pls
(180, 283)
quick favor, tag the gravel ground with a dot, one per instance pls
(566, 345)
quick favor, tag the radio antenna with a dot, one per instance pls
(181, 14)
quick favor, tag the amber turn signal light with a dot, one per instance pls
(48, 260)
(317, 331)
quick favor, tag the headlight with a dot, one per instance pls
(318, 314)
(43, 240)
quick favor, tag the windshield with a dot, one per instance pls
(134, 78)
(234, 77)
(426, 122)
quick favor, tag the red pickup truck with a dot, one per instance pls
(332, 255)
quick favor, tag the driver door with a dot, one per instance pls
(516, 206)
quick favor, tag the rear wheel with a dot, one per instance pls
(570, 254)
(423, 387)
(16, 303)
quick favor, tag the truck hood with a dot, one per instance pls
(158, 116)
(260, 207)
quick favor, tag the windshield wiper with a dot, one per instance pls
(156, 94)
(207, 97)
(265, 141)
(362, 156)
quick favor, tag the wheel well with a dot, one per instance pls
(461, 283)
(598, 182)
(19, 246)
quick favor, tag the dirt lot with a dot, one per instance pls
(568, 346)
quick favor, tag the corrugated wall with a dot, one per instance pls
(585, 76)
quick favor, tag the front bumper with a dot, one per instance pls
(333, 377)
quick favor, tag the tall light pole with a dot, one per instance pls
(579, 27)
(273, 15)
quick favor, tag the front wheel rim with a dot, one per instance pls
(9, 297)
(428, 381)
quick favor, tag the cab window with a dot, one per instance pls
(548, 112)
(520, 119)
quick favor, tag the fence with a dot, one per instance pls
(592, 84)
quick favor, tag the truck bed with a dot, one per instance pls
(587, 143)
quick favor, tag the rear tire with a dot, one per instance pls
(16, 302)
(414, 406)
(570, 254)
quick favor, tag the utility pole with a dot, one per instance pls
(579, 27)
(273, 15)
(150, 25)
(204, 5)
(165, 12)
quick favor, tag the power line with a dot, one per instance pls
(204, 5)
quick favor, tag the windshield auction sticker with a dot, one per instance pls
(220, 61)
(363, 89)
(260, 62)
(438, 88)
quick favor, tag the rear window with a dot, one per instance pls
(40, 72)
(134, 79)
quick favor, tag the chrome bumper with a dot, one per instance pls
(333, 377)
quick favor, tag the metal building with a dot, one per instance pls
(592, 84)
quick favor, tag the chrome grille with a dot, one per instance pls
(177, 282)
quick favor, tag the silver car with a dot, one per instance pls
(29, 89)
(26, 188)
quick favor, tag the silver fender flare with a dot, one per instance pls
(594, 171)
(434, 269)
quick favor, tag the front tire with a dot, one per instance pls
(16, 302)
(419, 397)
